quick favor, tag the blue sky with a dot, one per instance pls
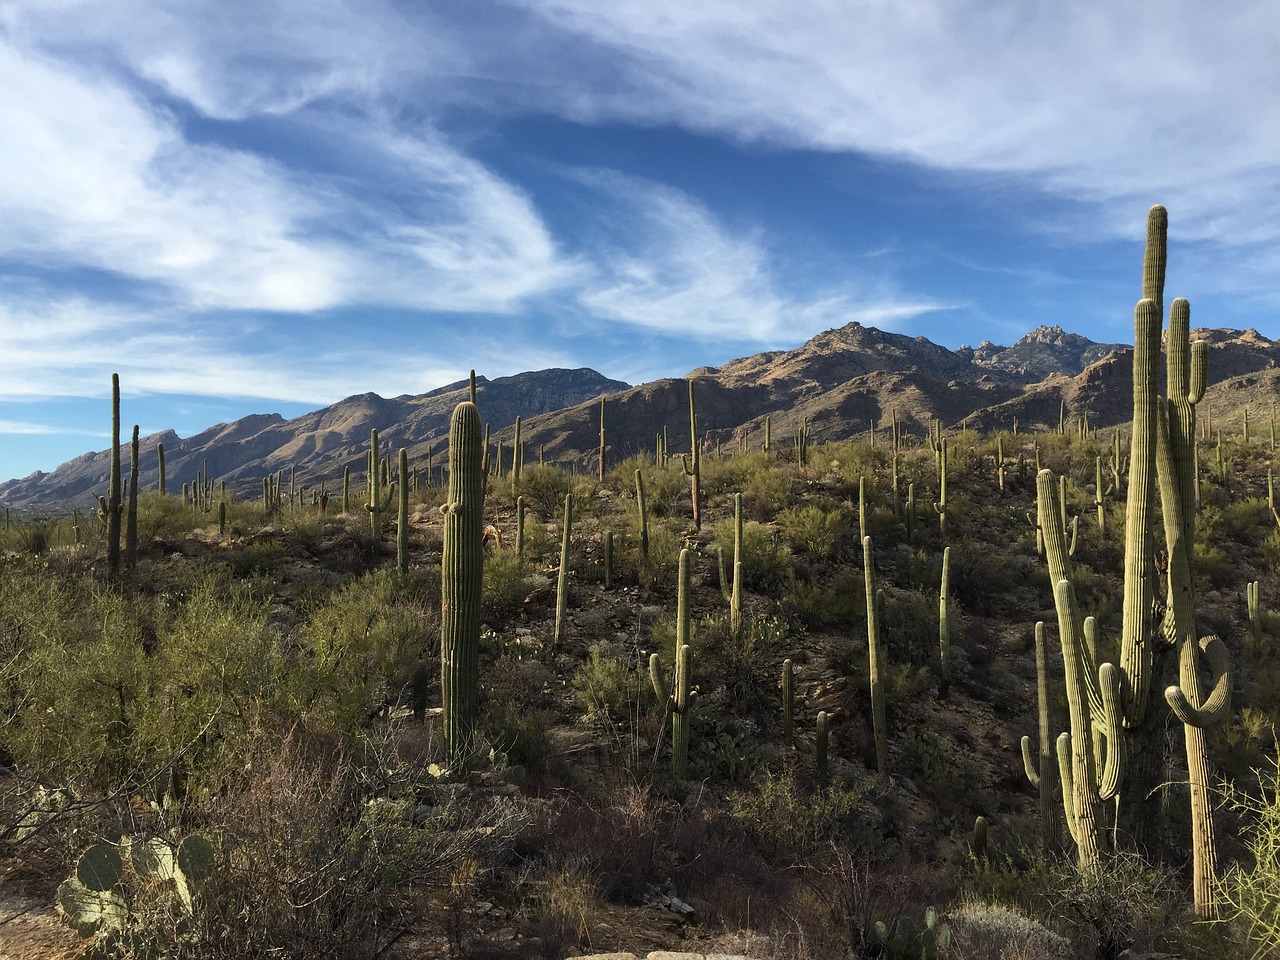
(247, 207)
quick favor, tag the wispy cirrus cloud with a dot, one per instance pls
(668, 264)
(1112, 103)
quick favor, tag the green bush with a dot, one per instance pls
(814, 530)
(1252, 893)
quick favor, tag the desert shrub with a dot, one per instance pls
(1125, 903)
(765, 561)
(813, 604)
(765, 491)
(544, 488)
(791, 823)
(725, 475)
(607, 685)
(1252, 893)
(665, 543)
(814, 530)
(360, 647)
(507, 582)
(993, 931)
(666, 490)
(74, 654)
(262, 557)
(165, 517)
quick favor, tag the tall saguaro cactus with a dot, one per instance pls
(879, 722)
(113, 484)
(461, 581)
(131, 517)
(402, 514)
(693, 463)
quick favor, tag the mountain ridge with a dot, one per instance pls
(839, 382)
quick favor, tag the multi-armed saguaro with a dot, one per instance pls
(1109, 704)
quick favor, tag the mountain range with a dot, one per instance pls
(840, 382)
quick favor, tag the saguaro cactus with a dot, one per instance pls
(562, 580)
(461, 581)
(693, 463)
(131, 518)
(374, 506)
(944, 627)
(680, 701)
(1042, 774)
(602, 443)
(879, 723)
(641, 506)
(113, 484)
(788, 697)
(402, 514)
(160, 466)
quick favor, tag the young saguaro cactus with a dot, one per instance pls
(461, 582)
(680, 701)
(1041, 775)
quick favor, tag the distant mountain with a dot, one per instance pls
(841, 381)
(317, 445)
(1042, 352)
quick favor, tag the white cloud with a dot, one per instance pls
(667, 264)
(27, 428)
(1133, 102)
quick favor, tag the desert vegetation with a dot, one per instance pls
(766, 698)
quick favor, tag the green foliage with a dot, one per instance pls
(795, 824)
(1252, 893)
(507, 581)
(765, 561)
(815, 605)
(360, 648)
(543, 488)
(607, 685)
(814, 530)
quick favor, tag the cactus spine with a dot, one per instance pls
(402, 514)
(517, 457)
(562, 580)
(878, 721)
(461, 580)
